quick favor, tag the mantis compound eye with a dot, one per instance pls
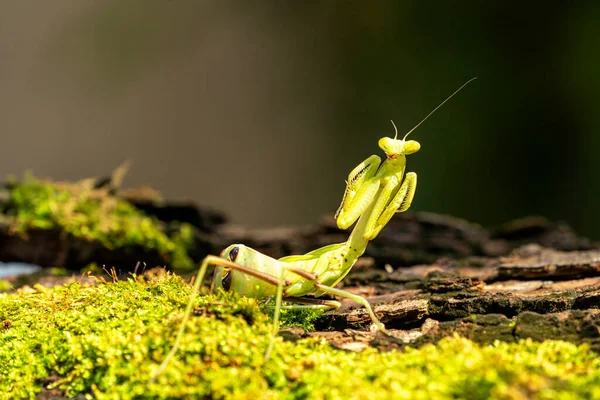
(411, 147)
(226, 282)
(234, 253)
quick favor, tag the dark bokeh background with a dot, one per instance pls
(261, 109)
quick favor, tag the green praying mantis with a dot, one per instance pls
(374, 192)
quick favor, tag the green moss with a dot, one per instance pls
(301, 318)
(107, 341)
(85, 212)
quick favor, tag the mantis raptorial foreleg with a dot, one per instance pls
(359, 193)
(399, 203)
(403, 198)
(364, 189)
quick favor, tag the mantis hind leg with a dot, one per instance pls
(217, 261)
(208, 260)
(278, 298)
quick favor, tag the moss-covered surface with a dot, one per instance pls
(86, 212)
(106, 341)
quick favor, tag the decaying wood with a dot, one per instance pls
(550, 265)
(441, 300)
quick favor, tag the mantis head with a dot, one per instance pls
(396, 147)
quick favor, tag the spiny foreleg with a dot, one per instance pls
(361, 188)
(384, 208)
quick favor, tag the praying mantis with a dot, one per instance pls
(374, 192)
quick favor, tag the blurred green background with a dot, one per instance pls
(261, 108)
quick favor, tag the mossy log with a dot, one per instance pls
(427, 275)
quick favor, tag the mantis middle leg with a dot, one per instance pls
(311, 303)
(327, 304)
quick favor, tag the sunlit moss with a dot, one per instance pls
(301, 318)
(86, 212)
(107, 341)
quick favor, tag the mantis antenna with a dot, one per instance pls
(396, 129)
(435, 109)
